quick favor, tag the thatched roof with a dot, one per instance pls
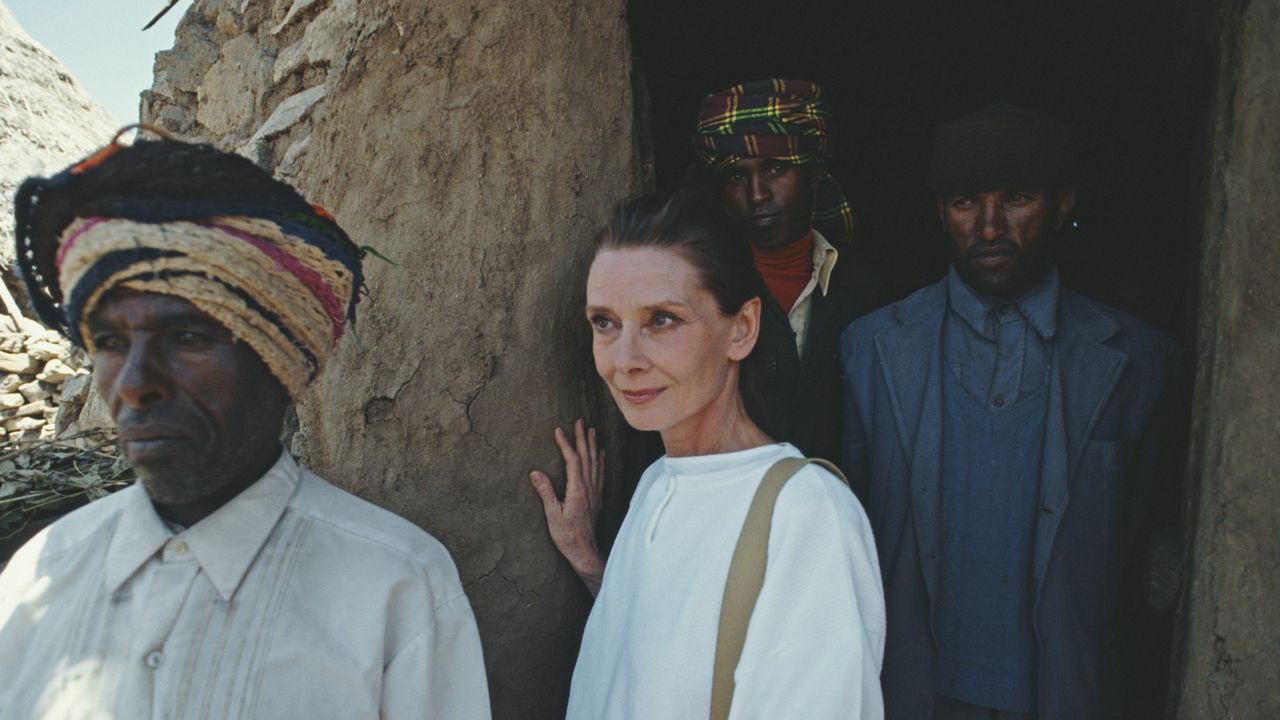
(46, 118)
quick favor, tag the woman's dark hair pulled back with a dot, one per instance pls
(701, 230)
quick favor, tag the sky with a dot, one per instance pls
(101, 42)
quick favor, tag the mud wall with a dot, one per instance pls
(477, 147)
(1232, 620)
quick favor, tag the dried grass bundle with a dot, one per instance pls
(41, 481)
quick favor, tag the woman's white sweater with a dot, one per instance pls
(816, 638)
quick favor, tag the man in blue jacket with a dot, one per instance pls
(1002, 433)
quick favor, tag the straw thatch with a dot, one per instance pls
(46, 118)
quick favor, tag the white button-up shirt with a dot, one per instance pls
(294, 600)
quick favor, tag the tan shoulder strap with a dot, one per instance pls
(746, 576)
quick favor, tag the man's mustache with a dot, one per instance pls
(134, 422)
(999, 246)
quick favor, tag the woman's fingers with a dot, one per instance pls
(571, 521)
(584, 453)
(594, 475)
(572, 470)
(583, 469)
(572, 467)
(542, 485)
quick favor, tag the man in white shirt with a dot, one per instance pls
(228, 582)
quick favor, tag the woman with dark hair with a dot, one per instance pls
(674, 302)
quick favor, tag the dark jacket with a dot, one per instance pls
(799, 400)
(1111, 377)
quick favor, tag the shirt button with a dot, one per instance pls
(998, 402)
(154, 659)
(177, 547)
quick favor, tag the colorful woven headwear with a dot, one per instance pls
(277, 272)
(780, 119)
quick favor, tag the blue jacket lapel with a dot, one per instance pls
(910, 358)
(1085, 372)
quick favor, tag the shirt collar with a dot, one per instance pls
(140, 533)
(824, 260)
(224, 544)
(1039, 306)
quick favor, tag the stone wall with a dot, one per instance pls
(43, 381)
(1231, 617)
(476, 146)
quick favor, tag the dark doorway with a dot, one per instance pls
(1130, 77)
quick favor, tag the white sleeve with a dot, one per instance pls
(440, 673)
(815, 643)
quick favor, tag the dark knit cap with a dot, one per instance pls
(1000, 147)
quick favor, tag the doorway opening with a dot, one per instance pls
(1126, 76)
(1132, 79)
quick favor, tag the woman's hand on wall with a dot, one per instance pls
(572, 521)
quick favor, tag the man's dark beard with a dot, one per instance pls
(1029, 267)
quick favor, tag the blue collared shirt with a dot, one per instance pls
(1000, 350)
(999, 353)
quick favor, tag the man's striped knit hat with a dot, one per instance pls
(197, 223)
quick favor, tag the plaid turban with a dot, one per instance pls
(781, 119)
(277, 272)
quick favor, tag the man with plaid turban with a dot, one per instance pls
(228, 582)
(764, 148)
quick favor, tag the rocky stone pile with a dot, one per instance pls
(44, 384)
